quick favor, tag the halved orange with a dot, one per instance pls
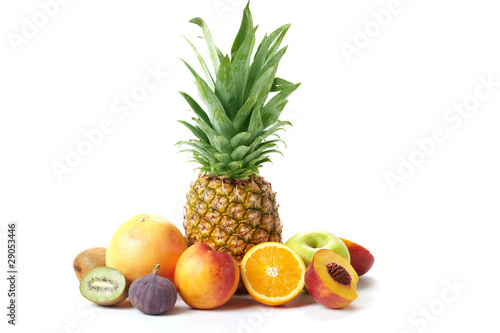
(273, 273)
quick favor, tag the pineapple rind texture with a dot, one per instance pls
(231, 215)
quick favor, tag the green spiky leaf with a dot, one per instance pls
(243, 102)
(209, 77)
(209, 131)
(245, 111)
(223, 157)
(255, 126)
(276, 127)
(243, 138)
(222, 144)
(280, 84)
(208, 97)
(196, 108)
(245, 28)
(261, 55)
(225, 87)
(241, 62)
(239, 153)
(222, 124)
(235, 165)
(196, 131)
(213, 50)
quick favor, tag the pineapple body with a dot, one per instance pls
(231, 215)
(230, 206)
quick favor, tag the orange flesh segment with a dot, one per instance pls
(273, 271)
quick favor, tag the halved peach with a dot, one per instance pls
(361, 259)
(331, 280)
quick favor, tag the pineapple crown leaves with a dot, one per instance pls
(235, 127)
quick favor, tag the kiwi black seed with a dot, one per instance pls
(104, 286)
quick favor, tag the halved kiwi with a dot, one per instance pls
(104, 286)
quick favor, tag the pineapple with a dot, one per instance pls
(230, 206)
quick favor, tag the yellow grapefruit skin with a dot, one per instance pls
(143, 241)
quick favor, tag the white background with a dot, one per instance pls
(353, 121)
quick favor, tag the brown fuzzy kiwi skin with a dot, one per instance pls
(88, 259)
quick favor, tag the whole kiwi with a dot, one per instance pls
(88, 259)
(153, 294)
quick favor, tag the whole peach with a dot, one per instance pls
(204, 278)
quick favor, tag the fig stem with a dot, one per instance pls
(155, 270)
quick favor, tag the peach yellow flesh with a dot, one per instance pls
(333, 292)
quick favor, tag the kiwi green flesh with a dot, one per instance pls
(104, 286)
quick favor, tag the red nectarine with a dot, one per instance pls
(361, 259)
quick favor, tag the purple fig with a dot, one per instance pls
(153, 294)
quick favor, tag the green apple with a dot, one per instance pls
(306, 243)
